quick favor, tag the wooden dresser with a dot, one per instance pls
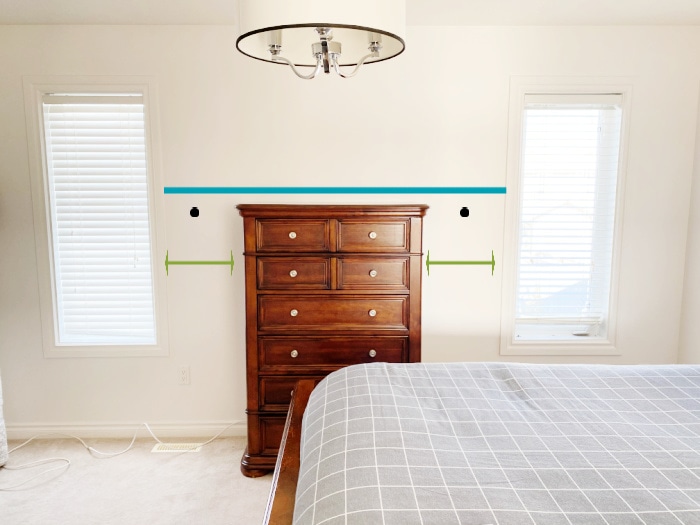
(326, 287)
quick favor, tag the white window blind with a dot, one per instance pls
(100, 234)
(568, 184)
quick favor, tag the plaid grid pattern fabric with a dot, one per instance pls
(502, 443)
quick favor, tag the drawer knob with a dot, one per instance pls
(294, 312)
(373, 273)
(294, 353)
(293, 273)
(373, 353)
(292, 235)
(372, 235)
(372, 313)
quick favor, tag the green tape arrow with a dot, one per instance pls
(168, 262)
(491, 263)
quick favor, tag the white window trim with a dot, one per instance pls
(519, 87)
(34, 89)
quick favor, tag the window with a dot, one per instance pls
(97, 195)
(562, 267)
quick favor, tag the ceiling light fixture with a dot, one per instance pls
(322, 34)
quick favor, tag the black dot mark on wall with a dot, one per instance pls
(464, 212)
(194, 212)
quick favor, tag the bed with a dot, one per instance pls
(492, 443)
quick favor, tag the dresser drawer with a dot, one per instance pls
(271, 430)
(276, 392)
(373, 236)
(329, 352)
(282, 312)
(293, 272)
(364, 273)
(300, 235)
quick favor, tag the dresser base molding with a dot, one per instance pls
(257, 465)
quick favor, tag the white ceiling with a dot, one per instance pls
(419, 12)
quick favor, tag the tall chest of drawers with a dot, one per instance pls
(326, 287)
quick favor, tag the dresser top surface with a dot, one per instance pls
(331, 210)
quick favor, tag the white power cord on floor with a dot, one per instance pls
(31, 465)
(66, 462)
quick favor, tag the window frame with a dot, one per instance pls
(35, 88)
(520, 87)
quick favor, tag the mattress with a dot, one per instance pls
(502, 443)
(3, 433)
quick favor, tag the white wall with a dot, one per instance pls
(689, 351)
(436, 115)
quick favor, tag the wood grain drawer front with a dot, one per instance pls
(294, 273)
(302, 235)
(330, 352)
(373, 237)
(271, 430)
(276, 392)
(276, 312)
(363, 273)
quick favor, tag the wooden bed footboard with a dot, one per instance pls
(280, 505)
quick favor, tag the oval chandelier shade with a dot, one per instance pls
(305, 33)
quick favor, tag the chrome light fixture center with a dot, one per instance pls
(346, 33)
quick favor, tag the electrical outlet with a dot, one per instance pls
(183, 375)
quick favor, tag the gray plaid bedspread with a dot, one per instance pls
(502, 443)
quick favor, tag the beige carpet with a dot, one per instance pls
(139, 487)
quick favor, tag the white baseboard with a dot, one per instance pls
(178, 429)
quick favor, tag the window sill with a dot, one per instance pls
(105, 351)
(563, 348)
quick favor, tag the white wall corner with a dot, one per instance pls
(689, 340)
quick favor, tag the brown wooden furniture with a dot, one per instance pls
(326, 287)
(280, 505)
